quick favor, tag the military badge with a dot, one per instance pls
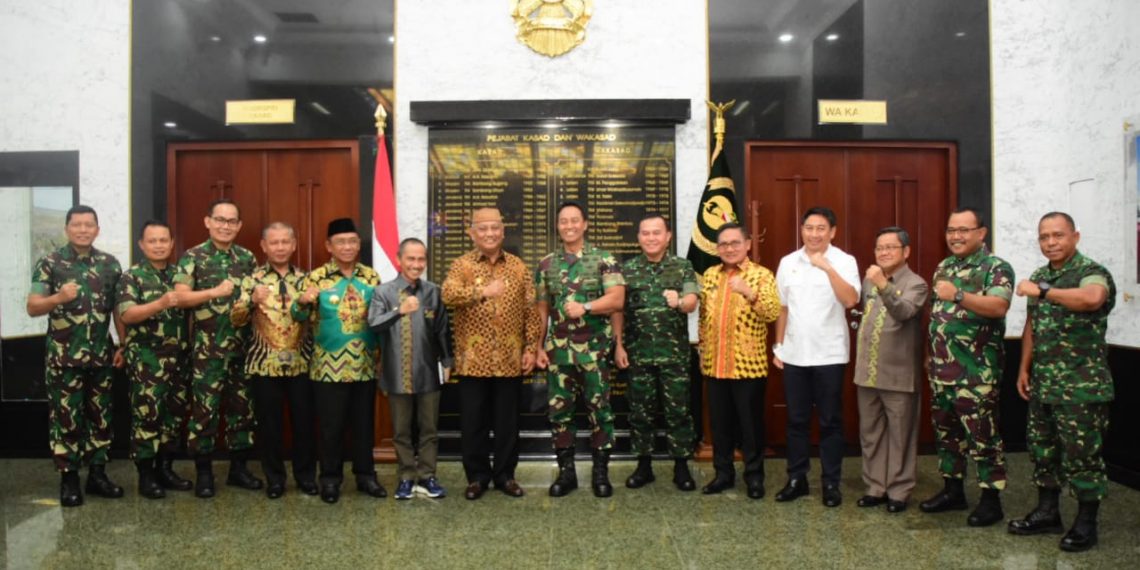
(552, 27)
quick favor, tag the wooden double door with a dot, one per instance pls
(869, 186)
(306, 184)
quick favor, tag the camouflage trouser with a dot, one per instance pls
(1065, 442)
(159, 402)
(79, 416)
(565, 382)
(220, 387)
(670, 384)
(965, 419)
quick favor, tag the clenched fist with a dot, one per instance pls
(260, 294)
(671, 298)
(495, 288)
(223, 289)
(410, 304)
(68, 292)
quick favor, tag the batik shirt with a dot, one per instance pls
(344, 348)
(279, 346)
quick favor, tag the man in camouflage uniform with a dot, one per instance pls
(1065, 377)
(578, 288)
(277, 362)
(207, 284)
(75, 287)
(972, 289)
(660, 290)
(155, 353)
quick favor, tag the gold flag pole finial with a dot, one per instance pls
(719, 125)
(381, 118)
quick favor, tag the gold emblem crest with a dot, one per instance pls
(552, 27)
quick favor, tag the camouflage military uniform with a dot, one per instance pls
(656, 338)
(966, 360)
(578, 349)
(1070, 383)
(79, 353)
(156, 363)
(217, 355)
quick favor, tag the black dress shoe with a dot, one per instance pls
(475, 490)
(69, 493)
(239, 476)
(204, 486)
(756, 489)
(988, 510)
(371, 487)
(275, 490)
(330, 492)
(682, 478)
(894, 506)
(870, 501)
(99, 484)
(718, 485)
(795, 488)
(308, 487)
(832, 496)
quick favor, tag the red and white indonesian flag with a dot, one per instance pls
(385, 232)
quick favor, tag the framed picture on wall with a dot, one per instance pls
(36, 189)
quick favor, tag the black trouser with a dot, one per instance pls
(821, 387)
(489, 404)
(270, 394)
(338, 403)
(736, 411)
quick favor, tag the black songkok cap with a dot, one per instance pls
(341, 226)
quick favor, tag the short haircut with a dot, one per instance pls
(820, 211)
(1068, 218)
(154, 224)
(219, 202)
(278, 226)
(977, 215)
(653, 216)
(400, 250)
(732, 226)
(571, 204)
(904, 237)
(80, 209)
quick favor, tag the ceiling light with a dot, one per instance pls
(259, 38)
(960, 35)
(215, 39)
(832, 37)
(170, 124)
(391, 39)
(785, 38)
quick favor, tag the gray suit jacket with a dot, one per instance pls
(889, 347)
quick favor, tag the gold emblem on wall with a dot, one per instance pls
(552, 27)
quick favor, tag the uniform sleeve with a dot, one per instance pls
(185, 274)
(1000, 281)
(690, 284)
(611, 272)
(127, 294)
(41, 278)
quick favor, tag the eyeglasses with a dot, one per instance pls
(342, 242)
(959, 231)
(231, 222)
(886, 248)
(730, 244)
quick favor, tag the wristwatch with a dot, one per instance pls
(587, 307)
(959, 295)
(1044, 286)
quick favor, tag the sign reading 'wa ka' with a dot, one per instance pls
(552, 27)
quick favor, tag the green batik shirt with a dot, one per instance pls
(583, 278)
(654, 333)
(344, 348)
(1070, 355)
(280, 346)
(203, 267)
(77, 335)
(165, 332)
(967, 349)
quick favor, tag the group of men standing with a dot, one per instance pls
(274, 334)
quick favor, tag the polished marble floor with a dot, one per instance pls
(654, 527)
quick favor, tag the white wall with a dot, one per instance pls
(1065, 77)
(66, 86)
(465, 50)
